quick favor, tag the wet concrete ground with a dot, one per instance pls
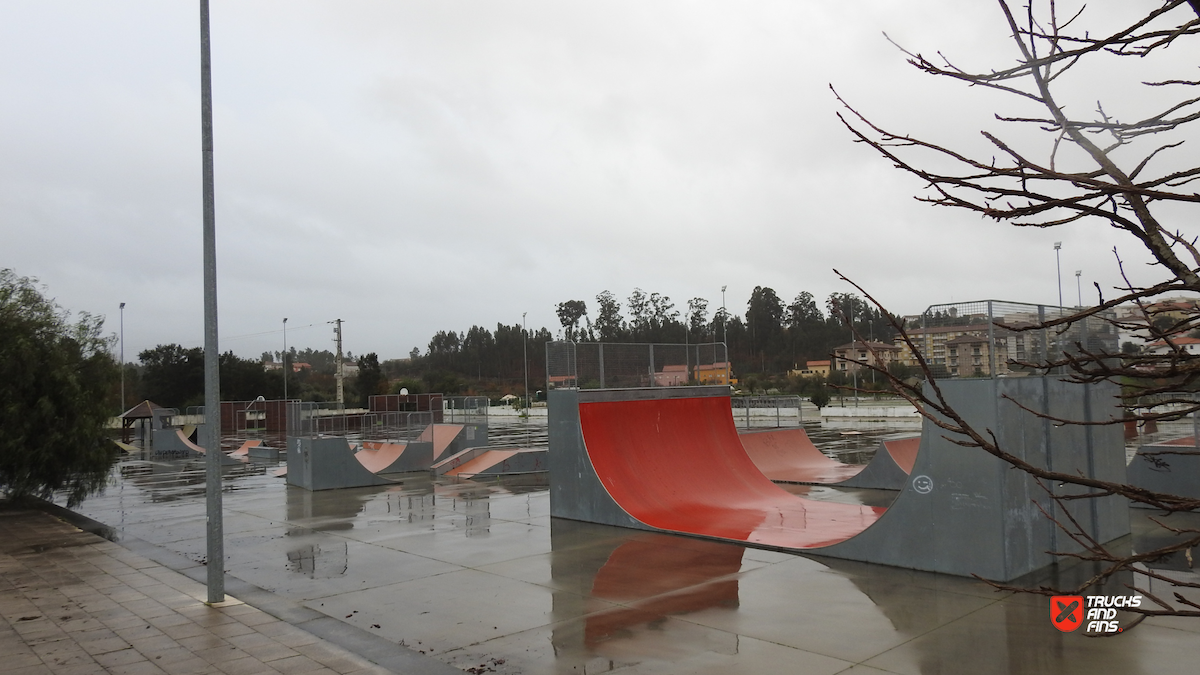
(480, 577)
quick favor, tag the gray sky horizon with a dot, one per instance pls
(413, 167)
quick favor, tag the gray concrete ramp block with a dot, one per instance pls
(327, 464)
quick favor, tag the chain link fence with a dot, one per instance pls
(600, 365)
(994, 338)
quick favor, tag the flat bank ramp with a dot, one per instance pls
(502, 462)
(669, 459)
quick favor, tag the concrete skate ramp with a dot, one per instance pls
(386, 458)
(890, 467)
(1167, 466)
(502, 462)
(441, 436)
(244, 450)
(788, 456)
(327, 464)
(174, 444)
(676, 464)
(669, 459)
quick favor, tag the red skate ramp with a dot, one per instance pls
(244, 450)
(676, 464)
(903, 452)
(668, 459)
(788, 456)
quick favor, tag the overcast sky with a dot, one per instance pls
(419, 166)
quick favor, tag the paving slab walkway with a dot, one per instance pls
(73, 602)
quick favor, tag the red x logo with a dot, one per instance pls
(1066, 612)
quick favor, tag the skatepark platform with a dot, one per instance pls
(329, 463)
(669, 459)
(1171, 467)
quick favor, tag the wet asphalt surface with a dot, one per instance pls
(480, 577)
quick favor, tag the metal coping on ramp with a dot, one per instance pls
(1167, 466)
(669, 459)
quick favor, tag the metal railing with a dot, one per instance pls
(751, 411)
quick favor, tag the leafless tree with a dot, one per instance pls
(1104, 168)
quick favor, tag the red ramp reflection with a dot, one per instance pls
(659, 576)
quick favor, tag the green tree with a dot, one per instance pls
(54, 375)
(609, 326)
(173, 376)
(569, 314)
(370, 380)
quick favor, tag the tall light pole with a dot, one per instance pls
(724, 330)
(122, 358)
(525, 358)
(283, 365)
(1079, 286)
(212, 374)
(1058, 263)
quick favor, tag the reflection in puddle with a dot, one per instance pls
(651, 578)
(319, 561)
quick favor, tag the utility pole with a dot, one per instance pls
(341, 392)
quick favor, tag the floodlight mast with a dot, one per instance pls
(212, 375)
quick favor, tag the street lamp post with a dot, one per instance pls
(122, 358)
(215, 530)
(525, 358)
(283, 365)
(1079, 286)
(1058, 263)
(724, 330)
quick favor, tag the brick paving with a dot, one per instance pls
(75, 603)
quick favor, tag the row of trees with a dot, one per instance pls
(173, 376)
(773, 337)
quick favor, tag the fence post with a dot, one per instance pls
(651, 346)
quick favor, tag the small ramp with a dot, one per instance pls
(174, 444)
(891, 466)
(127, 448)
(502, 462)
(789, 456)
(244, 450)
(1171, 466)
(327, 464)
(449, 439)
(385, 458)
